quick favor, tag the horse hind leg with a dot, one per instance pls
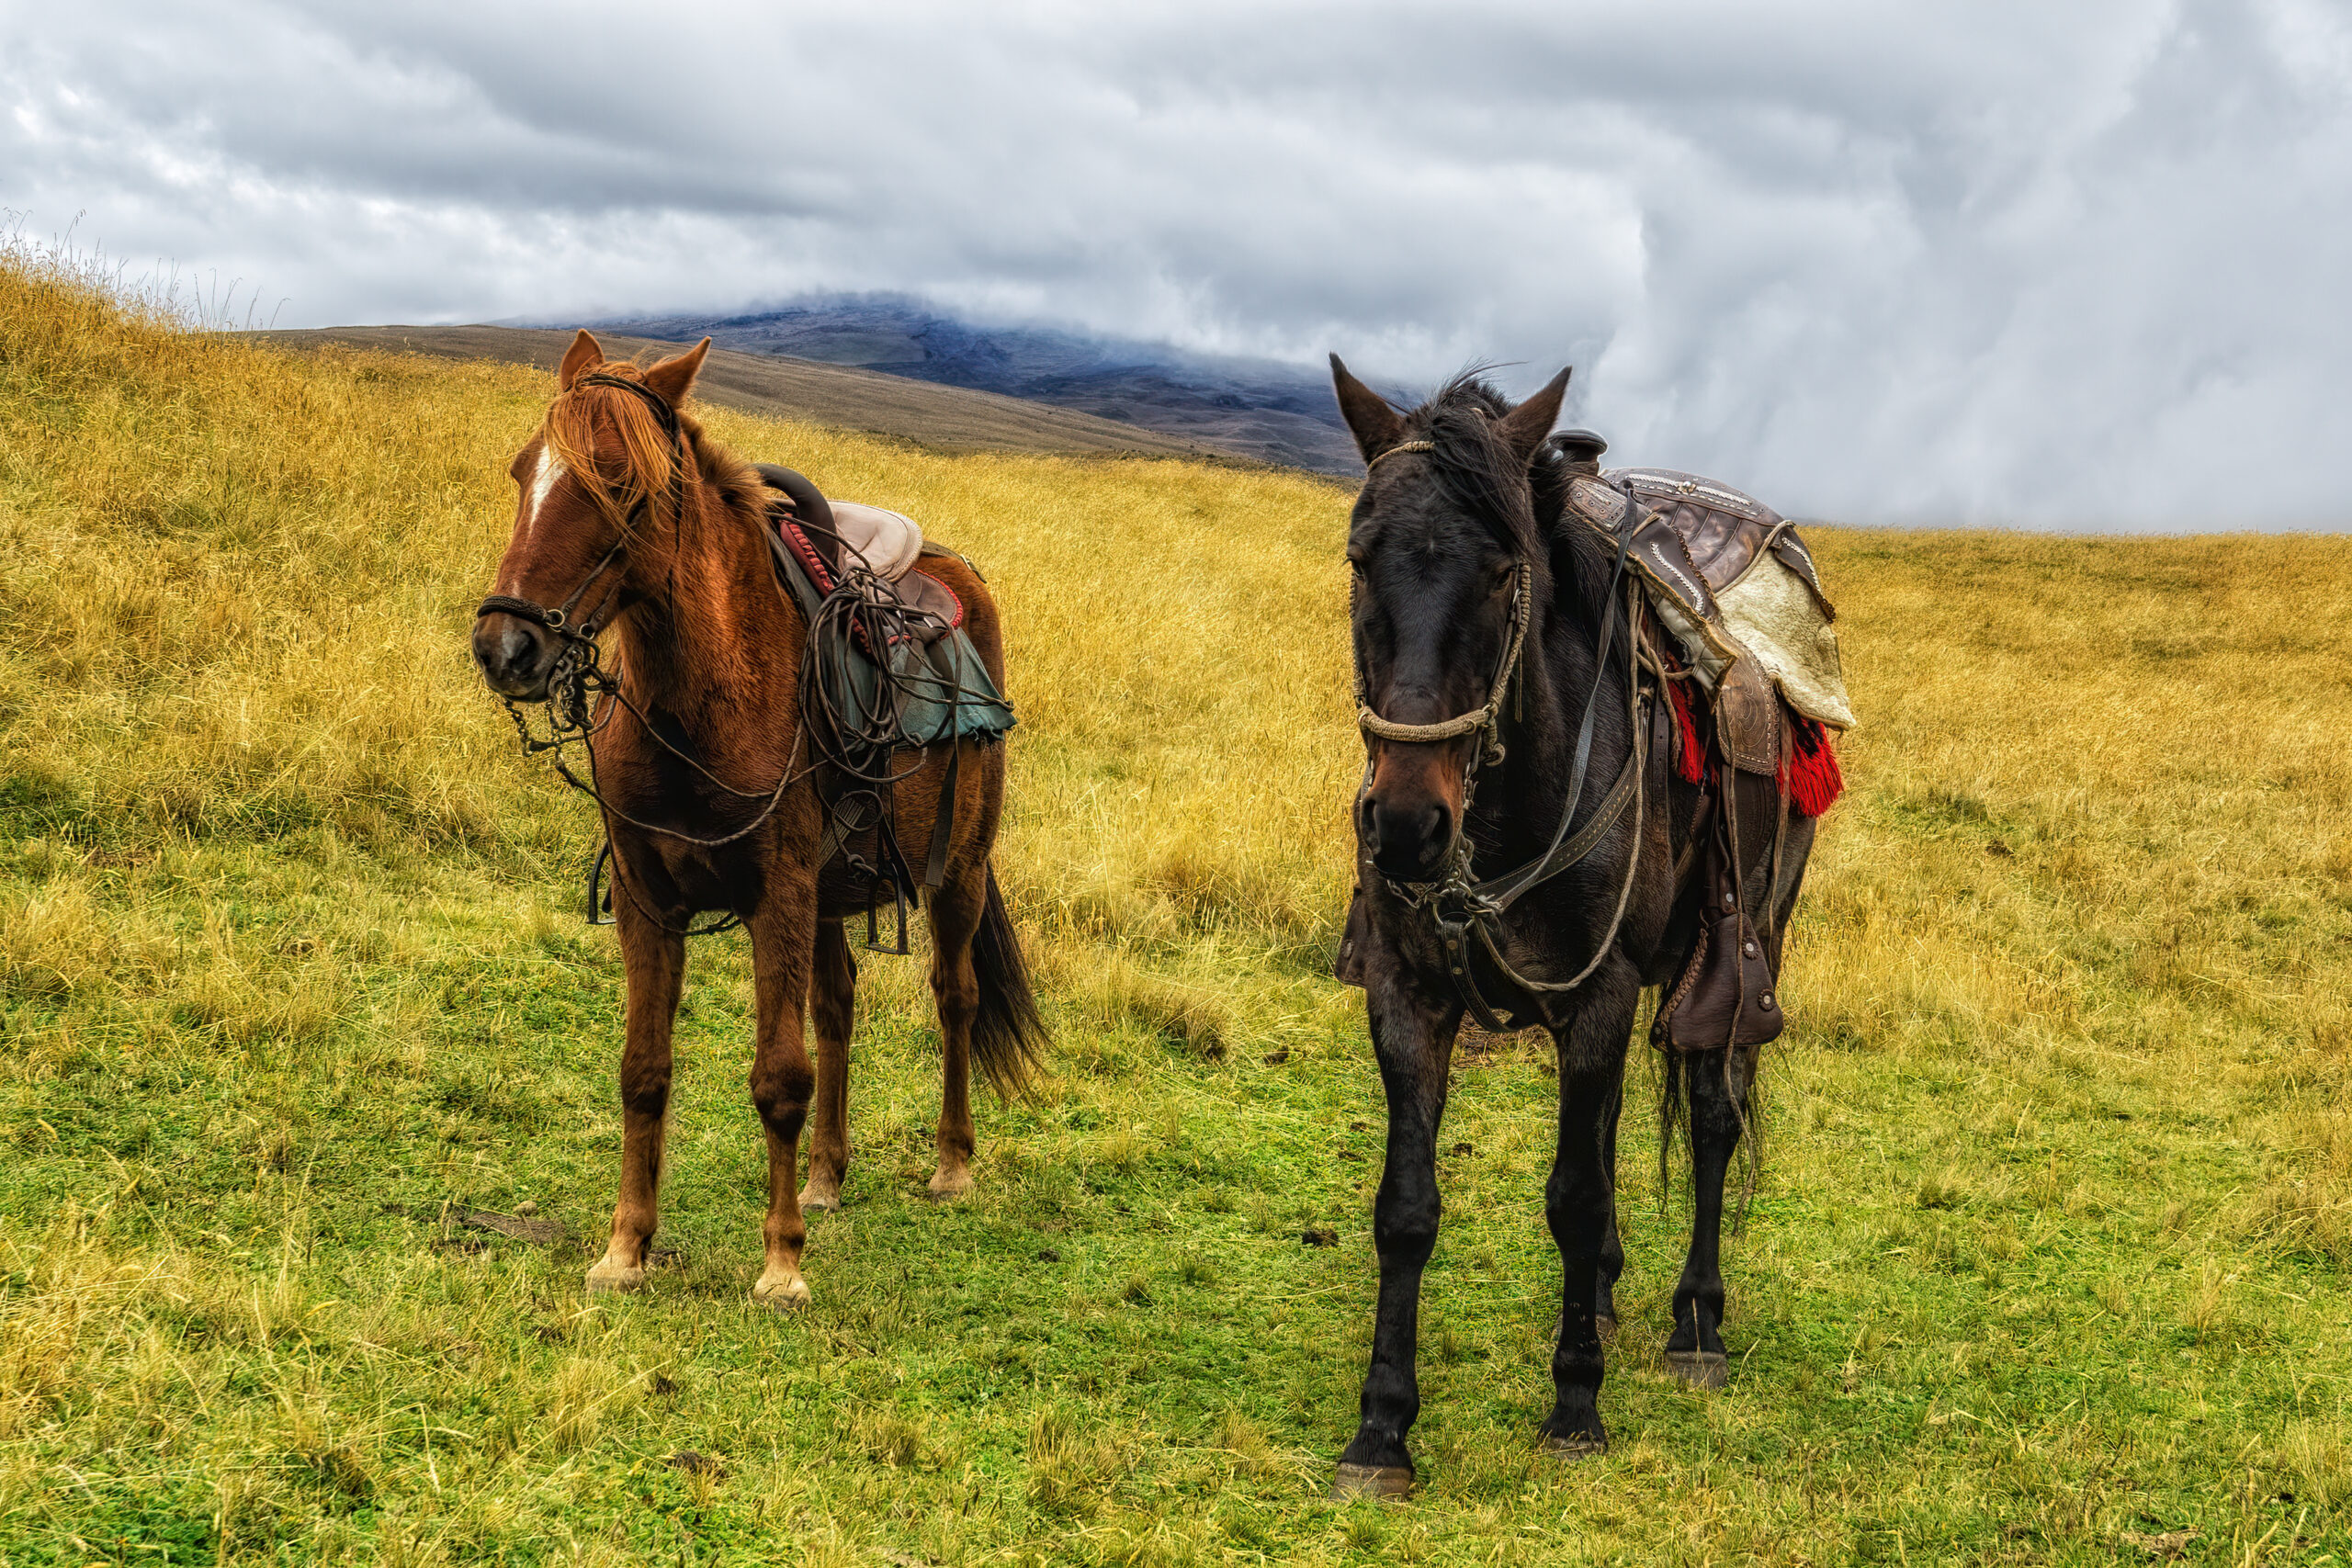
(955, 912)
(832, 1005)
(1718, 1091)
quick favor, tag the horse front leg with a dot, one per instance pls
(1414, 1042)
(783, 940)
(1718, 1089)
(656, 965)
(1580, 1204)
(832, 1007)
(1613, 1242)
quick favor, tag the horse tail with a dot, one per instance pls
(1008, 1034)
(1674, 1121)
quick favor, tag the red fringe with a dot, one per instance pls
(1693, 762)
(1812, 778)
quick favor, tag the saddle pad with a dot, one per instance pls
(1775, 613)
(887, 542)
(1755, 593)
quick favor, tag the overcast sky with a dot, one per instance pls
(2075, 264)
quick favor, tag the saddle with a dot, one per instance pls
(889, 668)
(1731, 582)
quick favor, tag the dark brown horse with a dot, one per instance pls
(1513, 724)
(633, 524)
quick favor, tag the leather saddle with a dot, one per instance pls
(1692, 537)
(887, 668)
(874, 546)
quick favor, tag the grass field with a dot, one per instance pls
(2048, 1261)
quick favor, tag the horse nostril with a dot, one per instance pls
(508, 654)
(518, 648)
(1406, 839)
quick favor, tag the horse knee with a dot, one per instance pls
(1406, 1228)
(781, 1092)
(645, 1094)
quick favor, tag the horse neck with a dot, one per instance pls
(710, 640)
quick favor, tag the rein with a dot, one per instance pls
(1461, 908)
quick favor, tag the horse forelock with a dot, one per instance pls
(1473, 463)
(647, 463)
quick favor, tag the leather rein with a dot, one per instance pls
(1463, 909)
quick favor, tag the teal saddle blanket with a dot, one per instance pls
(884, 652)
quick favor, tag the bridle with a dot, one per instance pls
(576, 637)
(579, 676)
(1461, 908)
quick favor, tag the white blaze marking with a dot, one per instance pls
(543, 479)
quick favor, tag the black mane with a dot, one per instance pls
(1479, 474)
(1472, 462)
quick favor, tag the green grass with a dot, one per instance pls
(2047, 1263)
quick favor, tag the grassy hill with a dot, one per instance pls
(2049, 1261)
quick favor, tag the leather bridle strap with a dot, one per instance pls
(1503, 891)
(559, 620)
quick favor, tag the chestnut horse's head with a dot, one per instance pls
(609, 451)
(1443, 544)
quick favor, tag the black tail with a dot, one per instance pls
(1008, 1034)
(1674, 1120)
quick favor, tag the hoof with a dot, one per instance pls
(815, 1199)
(1371, 1481)
(787, 1292)
(1606, 1327)
(950, 1185)
(1699, 1369)
(1572, 1449)
(611, 1278)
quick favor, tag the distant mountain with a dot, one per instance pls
(1275, 412)
(951, 419)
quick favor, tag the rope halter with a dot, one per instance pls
(1487, 716)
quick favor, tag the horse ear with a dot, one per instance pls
(1370, 419)
(585, 351)
(675, 377)
(1525, 426)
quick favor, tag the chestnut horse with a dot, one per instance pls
(633, 524)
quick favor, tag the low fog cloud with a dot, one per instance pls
(2072, 266)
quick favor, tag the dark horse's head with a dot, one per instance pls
(1444, 522)
(603, 454)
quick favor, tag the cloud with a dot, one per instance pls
(2001, 263)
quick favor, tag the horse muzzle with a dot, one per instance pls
(516, 657)
(1407, 816)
